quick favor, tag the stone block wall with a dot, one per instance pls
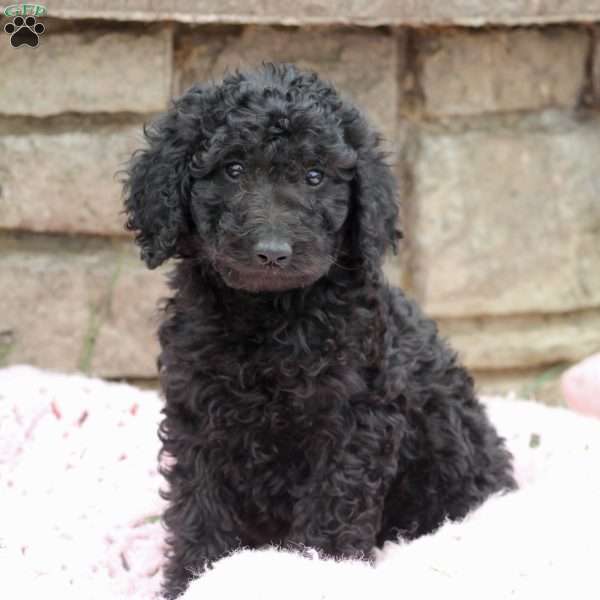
(495, 135)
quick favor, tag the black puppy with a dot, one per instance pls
(307, 402)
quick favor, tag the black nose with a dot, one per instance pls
(272, 252)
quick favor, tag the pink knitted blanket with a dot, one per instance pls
(79, 509)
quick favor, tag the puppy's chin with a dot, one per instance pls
(266, 280)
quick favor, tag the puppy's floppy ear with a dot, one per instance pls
(157, 182)
(375, 202)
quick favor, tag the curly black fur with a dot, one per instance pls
(307, 402)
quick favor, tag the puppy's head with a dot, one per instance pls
(267, 176)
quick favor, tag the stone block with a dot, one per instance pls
(524, 341)
(65, 180)
(596, 67)
(359, 12)
(508, 220)
(469, 72)
(76, 304)
(89, 72)
(126, 344)
(541, 384)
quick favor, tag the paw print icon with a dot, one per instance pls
(24, 32)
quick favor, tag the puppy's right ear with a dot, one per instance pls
(157, 182)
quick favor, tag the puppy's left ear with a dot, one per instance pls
(375, 204)
(157, 182)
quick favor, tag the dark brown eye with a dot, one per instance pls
(234, 170)
(314, 177)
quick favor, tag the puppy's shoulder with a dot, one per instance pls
(406, 314)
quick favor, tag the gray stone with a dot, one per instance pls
(65, 181)
(466, 72)
(524, 341)
(49, 296)
(126, 344)
(596, 66)
(508, 220)
(362, 12)
(362, 64)
(540, 384)
(72, 304)
(87, 73)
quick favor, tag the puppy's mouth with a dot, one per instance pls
(268, 279)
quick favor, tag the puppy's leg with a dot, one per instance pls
(451, 458)
(354, 460)
(201, 530)
(339, 522)
(454, 461)
(200, 522)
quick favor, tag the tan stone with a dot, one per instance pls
(49, 294)
(361, 12)
(87, 73)
(524, 341)
(77, 305)
(362, 64)
(466, 72)
(126, 344)
(508, 220)
(541, 384)
(596, 66)
(65, 181)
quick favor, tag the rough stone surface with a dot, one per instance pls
(364, 12)
(362, 64)
(514, 70)
(508, 220)
(88, 72)
(65, 300)
(528, 341)
(596, 67)
(541, 384)
(65, 181)
(126, 345)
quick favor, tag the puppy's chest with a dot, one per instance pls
(266, 397)
(271, 415)
(264, 413)
(265, 447)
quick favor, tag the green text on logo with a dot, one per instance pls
(25, 10)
